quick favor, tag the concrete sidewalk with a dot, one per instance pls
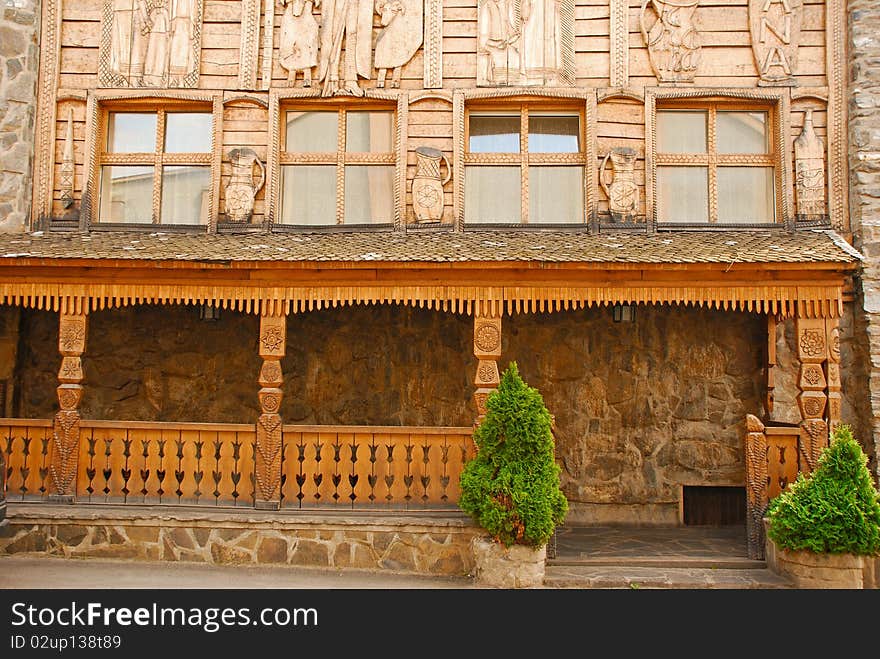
(40, 572)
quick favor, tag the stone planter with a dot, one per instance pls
(807, 569)
(498, 566)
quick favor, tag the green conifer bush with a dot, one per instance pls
(511, 487)
(835, 509)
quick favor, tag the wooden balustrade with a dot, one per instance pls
(212, 464)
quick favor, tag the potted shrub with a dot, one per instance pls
(824, 530)
(511, 487)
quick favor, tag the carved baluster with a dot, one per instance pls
(756, 485)
(65, 428)
(273, 334)
(832, 373)
(487, 348)
(812, 351)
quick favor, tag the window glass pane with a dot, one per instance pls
(188, 132)
(126, 194)
(745, 194)
(554, 134)
(492, 194)
(308, 194)
(369, 194)
(681, 132)
(369, 132)
(131, 132)
(683, 194)
(493, 134)
(556, 195)
(742, 132)
(311, 132)
(185, 192)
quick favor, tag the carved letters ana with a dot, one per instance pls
(525, 42)
(775, 27)
(150, 43)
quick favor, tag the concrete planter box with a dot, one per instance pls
(498, 566)
(807, 569)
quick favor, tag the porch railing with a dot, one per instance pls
(212, 464)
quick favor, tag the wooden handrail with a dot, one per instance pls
(241, 427)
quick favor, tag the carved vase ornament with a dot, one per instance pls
(672, 39)
(775, 27)
(809, 173)
(622, 192)
(242, 188)
(427, 186)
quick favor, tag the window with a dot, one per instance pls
(524, 165)
(338, 167)
(715, 164)
(155, 167)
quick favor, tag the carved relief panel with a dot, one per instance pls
(530, 42)
(775, 27)
(150, 43)
(809, 172)
(670, 32)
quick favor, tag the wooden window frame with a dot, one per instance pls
(100, 104)
(775, 104)
(339, 158)
(524, 158)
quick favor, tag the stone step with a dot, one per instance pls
(662, 577)
(710, 562)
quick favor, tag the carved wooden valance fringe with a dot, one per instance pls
(820, 301)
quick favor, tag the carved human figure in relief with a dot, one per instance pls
(541, 58)
(181, 58)
(497, 42)
(128, 39)
(158, 43)
(673, 41)
(402, 22)
(299, 40)
(348, 22)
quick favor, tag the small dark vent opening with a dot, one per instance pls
(714, 505)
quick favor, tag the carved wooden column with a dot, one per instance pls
(65, 428)
(832, 373)
(273, 334)
(813, 353)
(771, 363)
(487, 349)
(756, 485)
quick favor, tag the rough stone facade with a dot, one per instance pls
(864, 157)
(19, 50)
(441, 545)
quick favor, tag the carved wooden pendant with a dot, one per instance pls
(775, 27)
(809, 173)
(672, 38)
(150, 43)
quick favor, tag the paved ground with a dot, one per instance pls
(40, 572)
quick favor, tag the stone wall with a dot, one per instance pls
(864, 161)
(642, 408)
(19, 49)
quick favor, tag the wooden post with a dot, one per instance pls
(273, 335)
(487, 349)
(832, 373)
(756, 485)
(813, 353)
(72, 331)
(771, 363)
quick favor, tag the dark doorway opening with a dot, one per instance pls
(714, 505)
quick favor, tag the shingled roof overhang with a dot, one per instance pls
(781, 272)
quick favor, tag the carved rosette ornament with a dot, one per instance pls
(65, 425)
(775, 27)
(487, 348)
(812, 400)
(756, 485)
(273, 336)
(671, 36)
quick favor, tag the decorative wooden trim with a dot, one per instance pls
(805, 93)
(756, 485)
(88, 206)
(812, 347)
(401, 140)
(249, 47)
(433, 44)
(591, 178)
(47, 109)
(268, 451)
(246, 98)
(458, 136)
(619, 74)
(832, 374)
(487, 349)
(68, 171)
(650, 161)
(439, 94)
(216, 164)
(273, 168)
(268, 49)
(630, 94)
(838, 168)
(804, 301)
